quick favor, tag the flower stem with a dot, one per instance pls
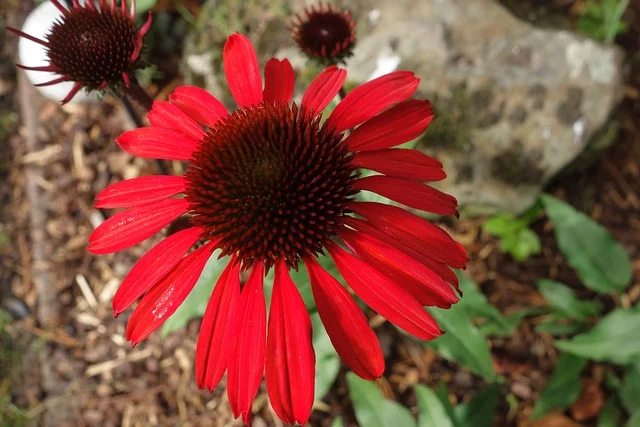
(135, 92)
(342, 93)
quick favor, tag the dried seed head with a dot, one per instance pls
(325, 34)
(95, 47)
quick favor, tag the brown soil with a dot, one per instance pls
(75, 367)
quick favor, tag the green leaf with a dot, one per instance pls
(337, 422)
(563, 387)
(143, 6)
(479, 412)
(501, 225)
(477, 306)
(443, 394)
(560, 326)
(516, 238)
(630, 390)
(611, 415)
(327, 360)
(372, 409)
(431, 411)
(526, 243)
(614, 339)
(301, 279)
(563, 300)
(634, 421)
(602, 263)
(196, 303)
(462, 342)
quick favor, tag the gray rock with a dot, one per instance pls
(515, 104)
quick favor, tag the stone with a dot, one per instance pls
(515, 104)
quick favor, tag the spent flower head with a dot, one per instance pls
(271, 186)
(325, 33)
(96, 47)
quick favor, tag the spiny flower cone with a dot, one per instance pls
(325, 33)
(272, 186)
(95, 47)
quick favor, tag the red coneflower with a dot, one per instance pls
(271, 185)
(94, 47)
(324, 33)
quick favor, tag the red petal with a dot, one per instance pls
(157, 143)
(164, 298)
(402, 123)
(139, 191)
(346, 325)
(153, 266)
(375, 96)
(214, 340)
(199, 104)
(413, 231)
(242, 70)
(410, 193)
(383, 295)
(249, 331)
(279, 81)
(166, 115)
(130, 227)
(401, 163)
(324, 88)
(440, 268)
(74, 90)
(290, 370)
(422, 283)
(145, 27)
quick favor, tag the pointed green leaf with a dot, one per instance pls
(563, 387)
(602, 263)
(372, 409)
(614, 339)
(462, 342)
(563, 300)
(560, 326)
(301, 279)
(327, 360)
(143, 6)
(477, 306)
(527, 243)
(431, 412)
(634, 421)
(443, 394)
(630, 390)
(479, 412)
(611, 415)
(337, 422)
(500, 225)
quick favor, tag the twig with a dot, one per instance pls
(48, 310)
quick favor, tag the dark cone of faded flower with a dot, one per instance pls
(94, 47)
(325, 34)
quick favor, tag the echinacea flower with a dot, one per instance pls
(94, 47)
(271, 185)
(324, 33)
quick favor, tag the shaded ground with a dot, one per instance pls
(76, 368)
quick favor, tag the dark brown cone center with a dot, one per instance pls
(271, 182)
(92, 46)
(324, 33)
